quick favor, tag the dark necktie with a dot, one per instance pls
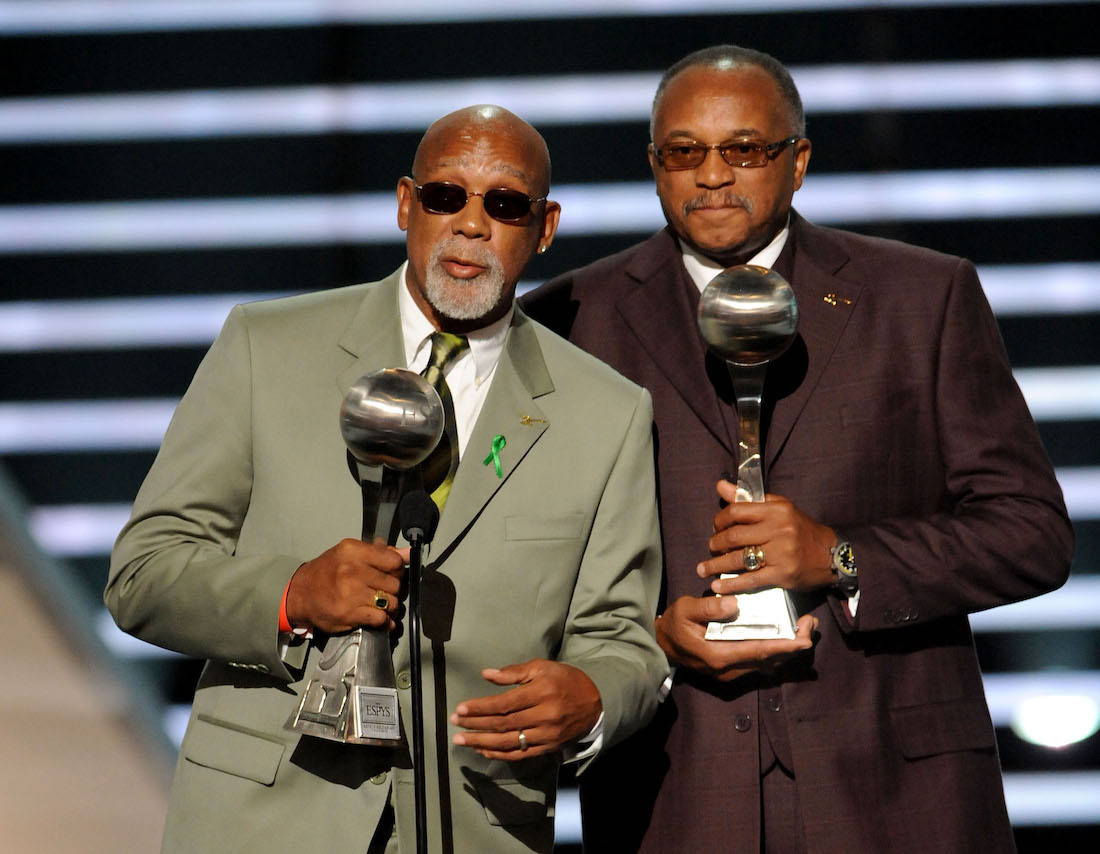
(439, 468)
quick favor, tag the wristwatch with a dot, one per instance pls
(844, 565)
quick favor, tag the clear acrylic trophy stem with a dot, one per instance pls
(767, 613)
(748, 316)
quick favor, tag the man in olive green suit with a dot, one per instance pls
(541, 584)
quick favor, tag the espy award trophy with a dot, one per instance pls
(391, 420)
(748, 316)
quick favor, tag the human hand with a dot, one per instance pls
(554, 705)
(796, 548)
(341, 589)
(681, 631)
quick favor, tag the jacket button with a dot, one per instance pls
(404, 680)
(774, 704)
(379, 779)
(743, 723)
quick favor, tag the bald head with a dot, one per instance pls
(489, 128)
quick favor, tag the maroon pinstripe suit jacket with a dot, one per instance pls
(895, 419)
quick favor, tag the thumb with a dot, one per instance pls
(718, 608)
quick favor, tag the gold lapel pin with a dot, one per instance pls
(833, 299)
(527, 420)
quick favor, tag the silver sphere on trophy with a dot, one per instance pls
(391, 417)
(748, 316)
(391, 421)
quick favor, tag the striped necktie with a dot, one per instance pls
(439, 468)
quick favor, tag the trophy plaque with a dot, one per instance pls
(391, 420)
(747, 317)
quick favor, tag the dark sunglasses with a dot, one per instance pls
(443, 197)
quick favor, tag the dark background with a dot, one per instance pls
(41, 174)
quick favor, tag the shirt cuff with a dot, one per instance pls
(588, 746)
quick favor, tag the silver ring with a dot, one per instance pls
(522, 740)
(753, 558)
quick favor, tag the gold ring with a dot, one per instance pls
(753, 558)
(381, 599)
(522, 740)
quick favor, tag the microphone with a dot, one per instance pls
(419, 517)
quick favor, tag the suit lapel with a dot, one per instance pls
(826, 298)
(373, 338)
(510, 411)
(660, 311)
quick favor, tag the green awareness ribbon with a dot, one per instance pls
(494, 454)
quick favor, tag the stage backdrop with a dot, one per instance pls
(160, 161)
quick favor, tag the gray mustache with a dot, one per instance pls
(718, 200)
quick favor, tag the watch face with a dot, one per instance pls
(845, 559)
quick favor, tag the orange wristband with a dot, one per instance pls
(284, 622)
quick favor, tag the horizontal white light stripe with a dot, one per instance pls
(569, 99)
(82, 16)
(77, 530)
(120, 226)
(587, 209)
(1081, 488)
(72, 530)
(67, 325)
(84, 425)
(175, 720)
(1073, 606)
(194, 320)
(124, 645)
(1042, 288)
(104, 425)
(1005, 691)
(950, 194)
(1058, 394)
(1058, 797)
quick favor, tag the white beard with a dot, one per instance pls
(463, 299)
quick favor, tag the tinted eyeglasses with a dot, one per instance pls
(736, 152)
(443, 197)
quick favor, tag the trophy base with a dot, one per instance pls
(371, 717)
(764, 615)
(343, 700)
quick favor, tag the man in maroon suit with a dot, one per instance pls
(908, 488)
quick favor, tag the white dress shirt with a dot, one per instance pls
(470, 374)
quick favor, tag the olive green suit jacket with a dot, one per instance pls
(558, 558)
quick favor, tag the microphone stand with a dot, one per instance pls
(418, 521)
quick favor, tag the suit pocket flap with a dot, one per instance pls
(569, 527)
(936, 728)
(215, 745)
(508, 802)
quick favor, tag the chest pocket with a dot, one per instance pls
(570, 527)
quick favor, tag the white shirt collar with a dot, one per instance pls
(702, 269)
(486, 343)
